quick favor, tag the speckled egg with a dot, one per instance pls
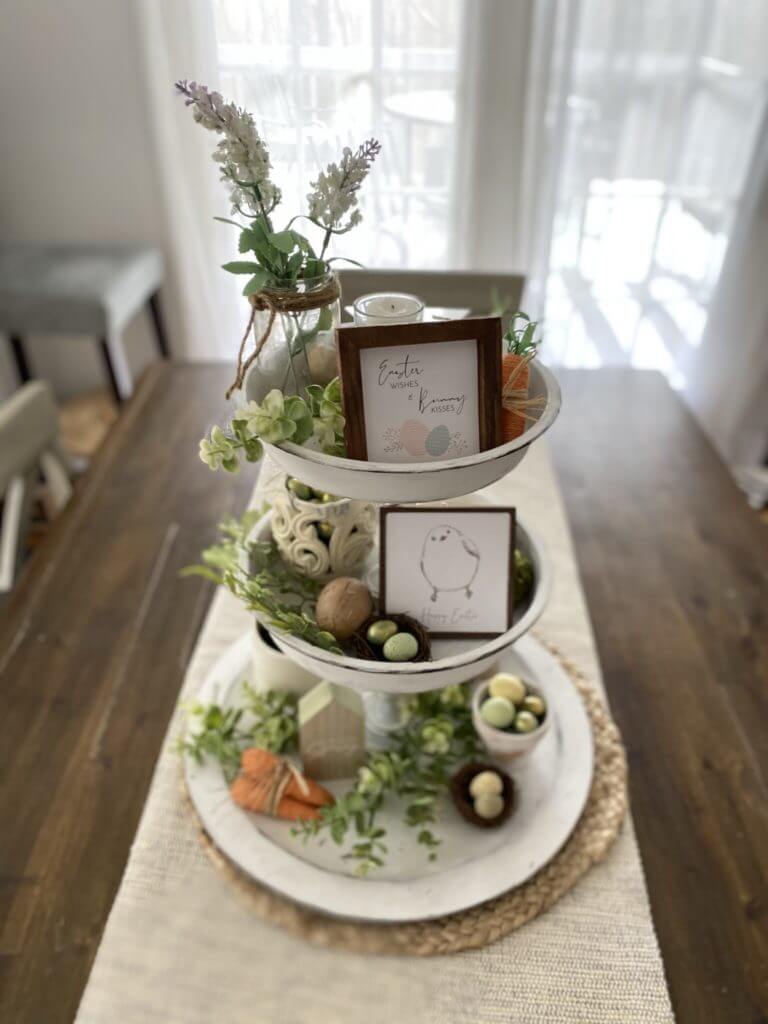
(505, 685)
(489, 805)
(401, 647)
(413, 435)
(486, 782)
(438, 440)
(498, 712)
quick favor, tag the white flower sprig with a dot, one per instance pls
(334, 194)
(242, 153)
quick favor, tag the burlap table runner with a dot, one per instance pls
(181, 948)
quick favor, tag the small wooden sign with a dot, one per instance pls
(422, 392)
(452, 568)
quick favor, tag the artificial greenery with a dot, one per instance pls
(256, 574)
(277, 418)
(520, 337)
(523, 576)
(268, 720)
(436, 736)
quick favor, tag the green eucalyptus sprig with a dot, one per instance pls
(256, 574)
(436, 736)
(277, 418)
(268, 720)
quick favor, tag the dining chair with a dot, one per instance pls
(29, 453)
(69, 290)
(478, 291)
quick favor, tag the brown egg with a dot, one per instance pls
(343, 606)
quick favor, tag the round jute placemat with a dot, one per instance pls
(470, 929)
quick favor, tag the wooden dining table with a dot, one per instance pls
(95, 640)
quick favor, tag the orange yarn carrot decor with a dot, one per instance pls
(269, 784)
(517, 409)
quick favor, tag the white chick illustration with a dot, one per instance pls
(449, 560)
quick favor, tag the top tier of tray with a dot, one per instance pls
(389, 482)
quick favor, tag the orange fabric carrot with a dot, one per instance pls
(252, 795)
(513, 423)
(259, 762)
(269, 784)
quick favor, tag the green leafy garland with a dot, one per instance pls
(436, 736)
(256, 574)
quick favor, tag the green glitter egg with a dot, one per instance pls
(302, 491)
(379, 632)
(526, 722)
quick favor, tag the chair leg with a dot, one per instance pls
(157, 320)
(20, 358)
(107, 357)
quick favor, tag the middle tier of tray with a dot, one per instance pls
(453, 661)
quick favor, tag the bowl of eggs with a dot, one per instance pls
(509, 716)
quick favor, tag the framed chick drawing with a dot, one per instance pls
(421, 392)
(451, 568)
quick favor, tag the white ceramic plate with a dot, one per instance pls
(473, 865)
(454, 661)
(419, 481)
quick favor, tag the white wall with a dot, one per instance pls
(77, 158)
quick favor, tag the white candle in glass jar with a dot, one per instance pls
(388, 308)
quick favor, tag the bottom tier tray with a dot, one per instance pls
(472, 865)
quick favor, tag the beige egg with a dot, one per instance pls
(505, 685)
(485, 782)
(321, 360)
(489, 805)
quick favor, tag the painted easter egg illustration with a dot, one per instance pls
(438, 440)
(413, 434)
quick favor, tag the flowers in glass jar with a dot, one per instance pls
(276, 258)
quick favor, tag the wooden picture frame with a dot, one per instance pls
(352, 341)
(416, 604)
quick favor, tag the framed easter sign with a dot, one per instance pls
(451, 568)
(421, 392)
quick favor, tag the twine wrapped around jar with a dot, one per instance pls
(278, 301)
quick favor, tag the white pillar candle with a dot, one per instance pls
(388, 308)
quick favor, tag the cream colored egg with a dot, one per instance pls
(485, 782)
(489, 805)
(505, 685)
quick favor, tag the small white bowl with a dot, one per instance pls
(500, 744)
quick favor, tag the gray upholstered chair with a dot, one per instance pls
(476, 291)
(79, 289)
(29, 454)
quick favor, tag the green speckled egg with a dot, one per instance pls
(401, 647)
(535, 704)
(379, 632)
(498, 712)
(526, 722)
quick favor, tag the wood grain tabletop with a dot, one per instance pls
(95, 640)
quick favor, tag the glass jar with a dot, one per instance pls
(301, 346)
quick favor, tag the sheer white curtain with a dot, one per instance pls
(600, 147)
(205, 310)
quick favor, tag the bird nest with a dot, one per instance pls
(360, 648)
(459, 787)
